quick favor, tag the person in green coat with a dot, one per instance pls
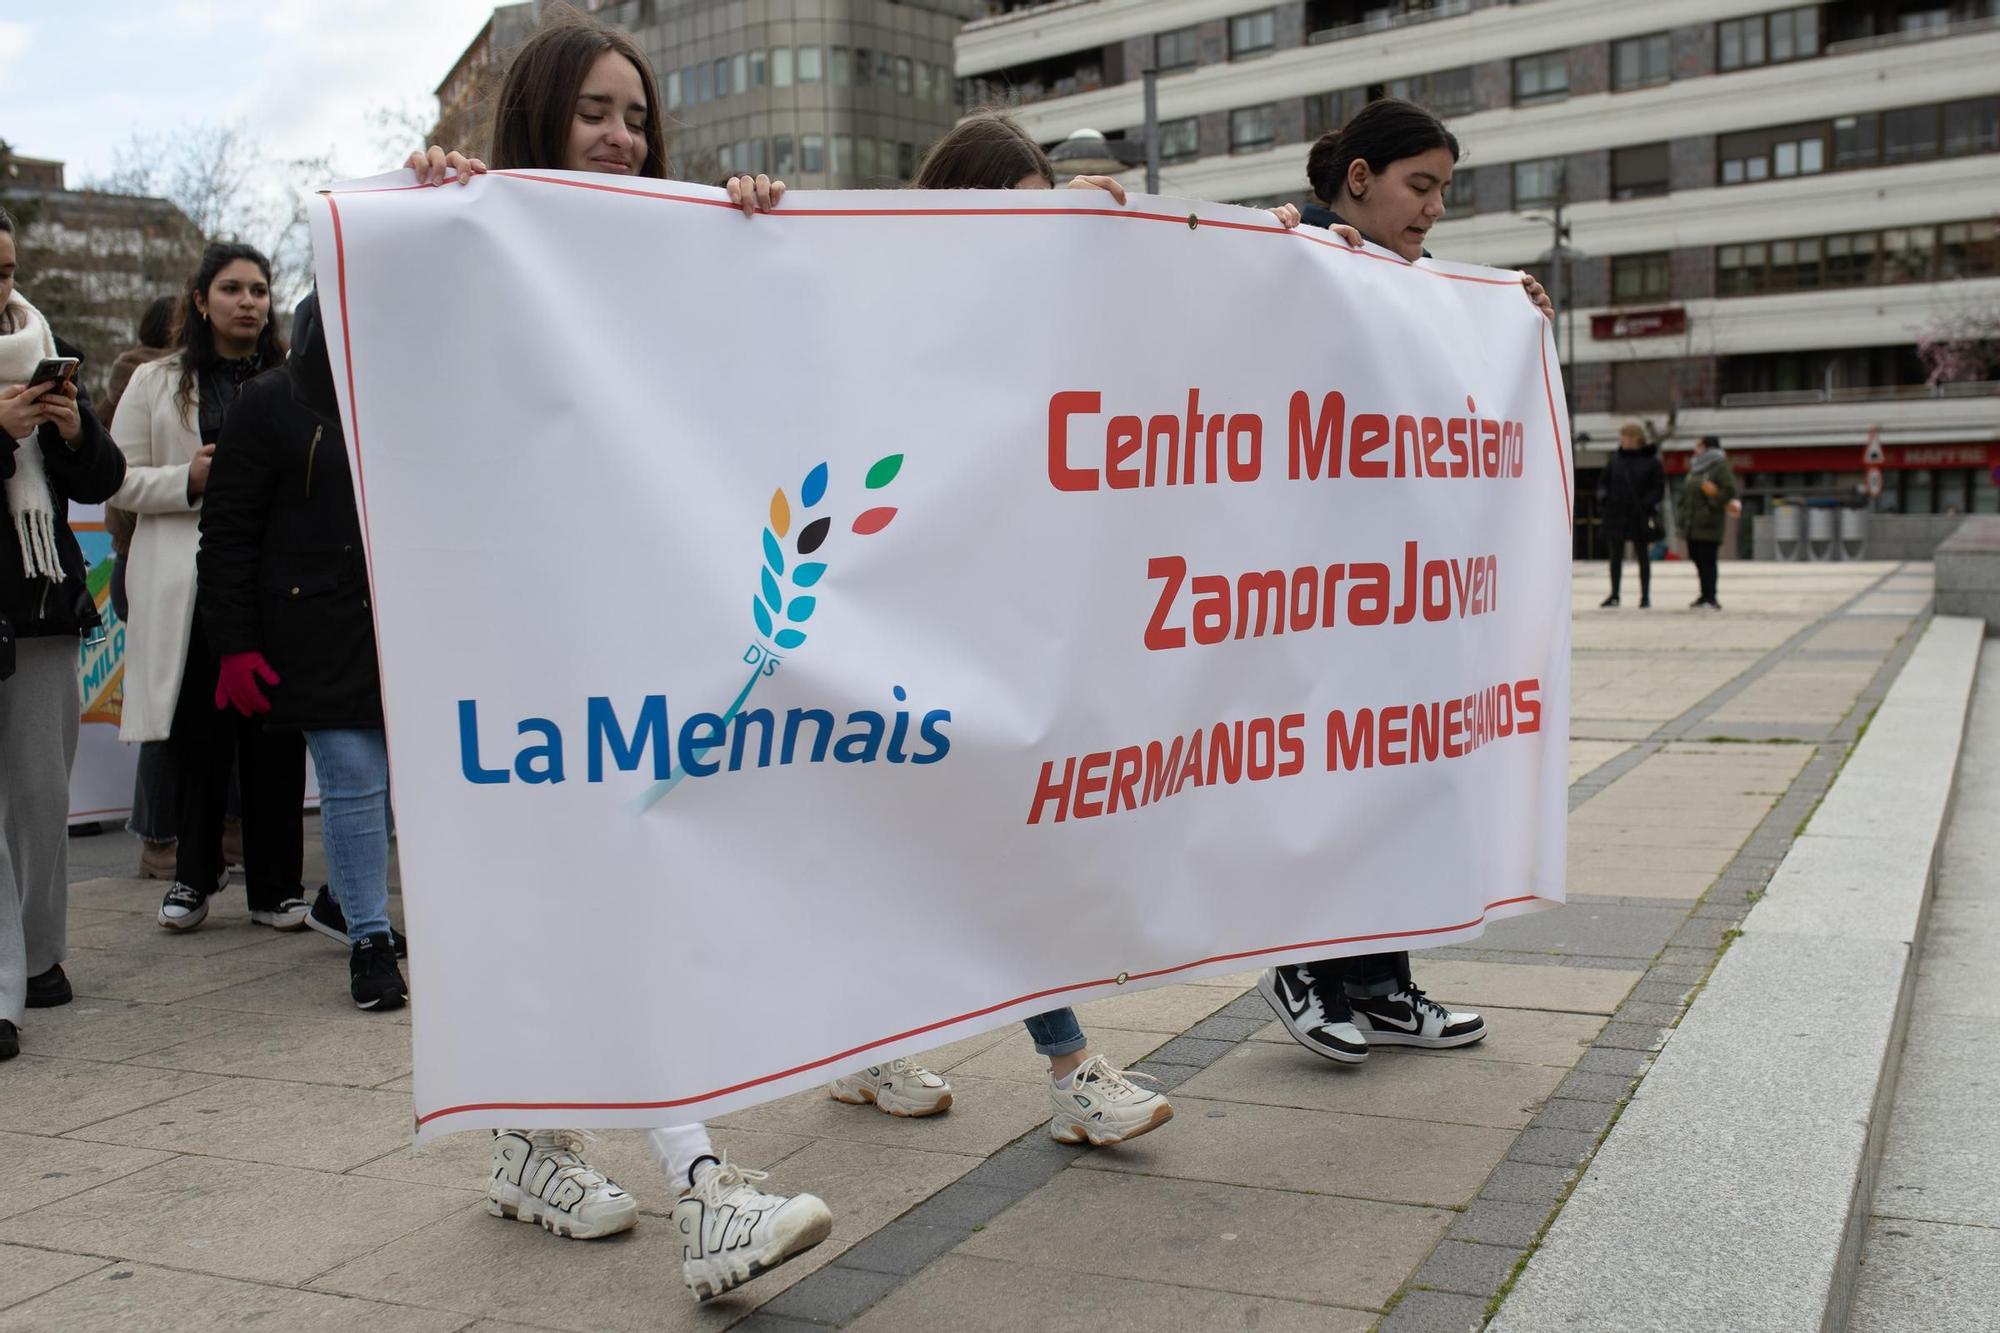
(1705, 497)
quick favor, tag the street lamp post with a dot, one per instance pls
(1152, 77)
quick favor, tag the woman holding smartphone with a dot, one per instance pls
(52, 451)
(1384, 172)
(580, 96)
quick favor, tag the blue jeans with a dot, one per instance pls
(1056, 1032)
(353, 769)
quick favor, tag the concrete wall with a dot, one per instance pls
(1890, 536)
(1968, 572)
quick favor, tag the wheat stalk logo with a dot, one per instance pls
(786, 598)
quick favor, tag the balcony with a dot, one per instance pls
(1339, 20)
(1864, 393)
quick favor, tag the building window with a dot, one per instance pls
(812, 154)
(739, 72)
(673, 89)
(1537, 183)
(904, 84)
(885, 70)
(759, 156)
(1253, 34)
(721, 68)
(1251, 129)
(1909, 254)
(1857, 141)
(1459, 196)
(1972, 127)
(841, 159)
(781, 67)
(923, 69)
(1969, 249)
(1542, 78)
(1180, 140)
(1446, 93)
(759, 69)
(1179, 49)
(1765, 39)
(864, 67)
(1636, 279)
(906, 161)
(810, 69)
(1910, 134)
(1639, 171)
(782, 162)
(1642, 62)
(1792, 150)
(1850, 260)
(839, 70)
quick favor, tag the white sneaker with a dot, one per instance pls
(731, 1231)
(1103, 1106)
(540, 1176)
(899, 1087)
(287, 915)
(1411, 1018)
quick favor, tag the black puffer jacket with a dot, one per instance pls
(89, 474)
(281, 570)
(1632, 485)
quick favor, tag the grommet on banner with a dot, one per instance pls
(1193, 222)
(1124, 977)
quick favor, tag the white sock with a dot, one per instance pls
(677, 1149)
(1066, 1082)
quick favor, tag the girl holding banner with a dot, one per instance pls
(581, 96)
(1385, 171)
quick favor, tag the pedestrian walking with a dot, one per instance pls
(1384, 172)
(1706, 496)
(581, 96)
(52, 451)
(1629, 491)
(168, 424)
(153, 786)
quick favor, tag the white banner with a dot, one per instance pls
(815, 638)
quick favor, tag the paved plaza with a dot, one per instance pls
(211, 1137)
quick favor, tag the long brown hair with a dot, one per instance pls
(531, 123)
(196, 345)
(985, 151)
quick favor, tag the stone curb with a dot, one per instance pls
(1735, 1190)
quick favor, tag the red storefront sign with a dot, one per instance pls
(1639, 323)
(1851, 458)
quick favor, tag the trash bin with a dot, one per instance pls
(1853, 534)
(1785, 531)
(1820, 541)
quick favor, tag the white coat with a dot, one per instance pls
(159, 572)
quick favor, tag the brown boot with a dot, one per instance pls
(156, 860)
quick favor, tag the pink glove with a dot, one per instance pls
(236, 684)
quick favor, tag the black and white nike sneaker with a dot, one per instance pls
(1409, 1017)
(1295, 999)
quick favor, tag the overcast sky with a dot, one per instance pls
(79, 77)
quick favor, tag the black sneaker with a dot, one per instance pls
(184, 907)
(376, 981)
(49, 989)
(10, 1040)
(1409, 1017)
(1295, 998)
(327, 918)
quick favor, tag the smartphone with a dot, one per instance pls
(56, 370)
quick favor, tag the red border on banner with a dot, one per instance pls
(1340, 247)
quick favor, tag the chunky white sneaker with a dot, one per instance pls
(731, 1231)
(1294, 996)
(287, 915)
(899, 1087)
(183, 908)
(540, 1176)
(1103, 1106)
(1409, 1017)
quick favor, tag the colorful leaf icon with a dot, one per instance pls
(813, 535)
(884, 471)
(774, 555)
(808, 574)
(762, 616)
(781, 513)
(801, 609)
(815, 486)
(788, 638)
(874, 520)
(771, 594)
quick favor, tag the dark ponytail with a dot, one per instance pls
(1386, 130)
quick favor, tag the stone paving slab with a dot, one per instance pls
(122, 1298)
(26, 1273)
(1529, 986)
(1921, 1277)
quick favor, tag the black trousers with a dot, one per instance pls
(1703, 555)
(1368, 973)
(1618, 533)
(205, 743)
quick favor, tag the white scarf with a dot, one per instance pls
(31, 505)
(24, 341)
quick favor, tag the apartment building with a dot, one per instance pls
(1771, 207)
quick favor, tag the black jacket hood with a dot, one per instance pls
(309, 367)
